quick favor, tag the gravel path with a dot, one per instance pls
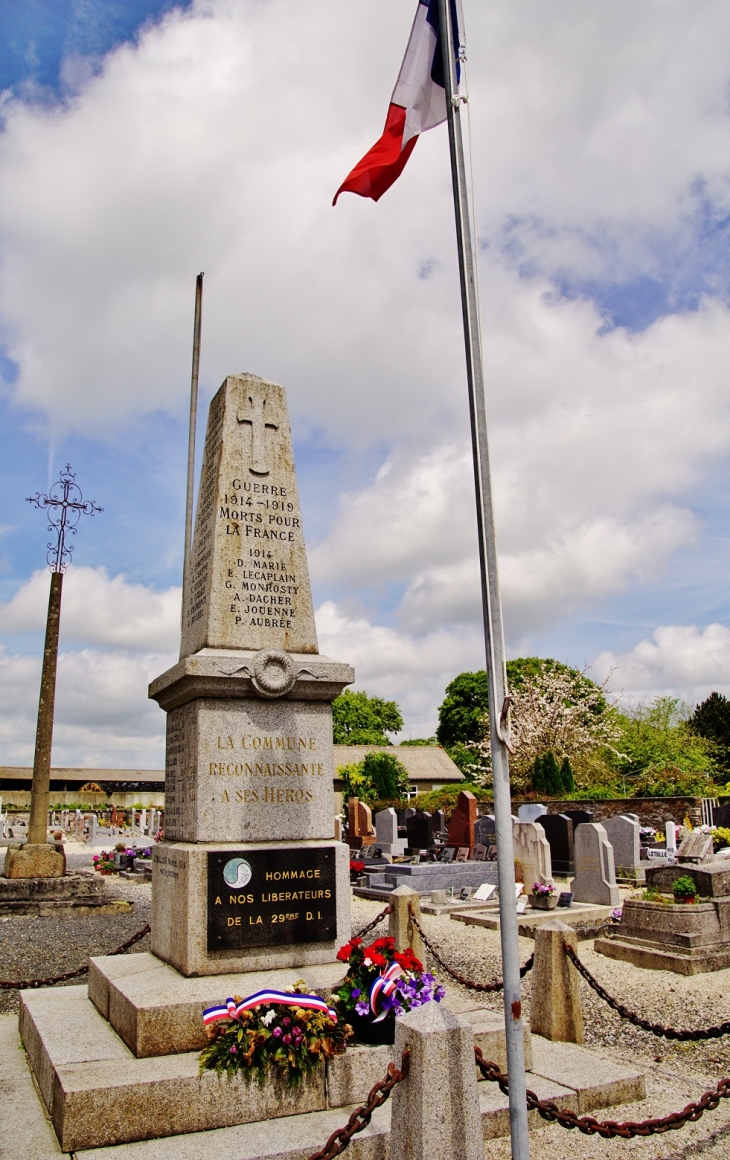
(676, 1072)
(34, 948)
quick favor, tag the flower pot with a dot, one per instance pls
(543, 901)
(687, 900)
(367, 1031)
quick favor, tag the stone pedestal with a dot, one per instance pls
(35, 861)
(686, 939)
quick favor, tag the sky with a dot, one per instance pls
(142, 142)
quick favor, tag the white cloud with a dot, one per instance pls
(679, 661)
(99, 610)
(103, 717)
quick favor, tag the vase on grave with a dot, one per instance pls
(543, 901)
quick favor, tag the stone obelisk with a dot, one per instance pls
(249, 876)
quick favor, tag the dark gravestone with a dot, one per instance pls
(559, 833)
(578, 816)
(439, 822)
(721, 816)
(420, 831)
(485, 831)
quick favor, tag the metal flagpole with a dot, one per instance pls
(191, 443)
(492, 608)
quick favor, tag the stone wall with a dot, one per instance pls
(650, 811)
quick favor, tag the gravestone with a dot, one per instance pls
(249, 876)
(365, 823)
(623, 834)
(559, 833)
(386, 833)
(721, 815)
(485, 830)
(670, 837)
(420, 830)
(578, 817)
(531, 811)
(439, 822)
(532, 855)
(463, 821)
(595, 876)
(695, 847)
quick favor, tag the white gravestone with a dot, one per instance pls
(386, 833)
(531, 811)
(532, 855)
(670, 831)
(623, 834)
(93, 823)
(595, 876)
(249, 797)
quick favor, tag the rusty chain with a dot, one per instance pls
(30, 984)
(360, 1118)
(590, 1126)
(465, 982)
(645, 1024)
(379, 918)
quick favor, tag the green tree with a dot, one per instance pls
(461, 713)
(420, 741)
(711, 720)
(361, 720)
(656, 740)
(378, 777)
(546, 776)
(566, 776)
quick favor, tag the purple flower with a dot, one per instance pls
(356, 992)
(233, 1051)
(285, 1021)
(439, 994)
(398, 1010)
(362, 1007)
(276, 1032)
(286, 1040)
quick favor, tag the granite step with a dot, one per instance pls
(579, 913)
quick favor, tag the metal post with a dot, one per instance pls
(492, 608)
(191, 443)
(39, 791)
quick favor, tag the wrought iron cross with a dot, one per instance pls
(66, 505)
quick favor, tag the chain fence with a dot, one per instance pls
(31, 984)
(371, 925)
(360, 1118)
(485, 988)
(609, 1129)
(683, 1035)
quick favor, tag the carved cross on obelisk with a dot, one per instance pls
(254, 412)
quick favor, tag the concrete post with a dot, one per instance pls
(555, 1010)
(400, 926)
(436, 1109)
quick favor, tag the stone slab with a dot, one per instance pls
(67, 909)
(494, 1105)
(712, 879)
(581, 913)
(424, 877)
(71, 888)
(597, 1082)
(157, 1011)
(292, 1138)
(489, 1035)
(26, 1132)
(655, 958)
(351, 1076)
(179, 913)
(98, 1094)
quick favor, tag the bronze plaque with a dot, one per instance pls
(260, 898)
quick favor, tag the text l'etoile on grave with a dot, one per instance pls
(250, 581)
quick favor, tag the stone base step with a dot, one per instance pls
(99, 1095)
(578, 914)
(680, 960)
(158, 1011)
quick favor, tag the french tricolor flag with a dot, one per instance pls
(418, 103)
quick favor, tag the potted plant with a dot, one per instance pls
(684, 890)
(543, 896)
(381, 983)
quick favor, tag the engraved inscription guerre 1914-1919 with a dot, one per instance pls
(267, 897)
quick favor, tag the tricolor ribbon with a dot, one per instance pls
(384, 984)
(233, 1010)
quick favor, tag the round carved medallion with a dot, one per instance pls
(273, 672)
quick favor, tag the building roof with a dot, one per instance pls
(72, 773)
(423, 762)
